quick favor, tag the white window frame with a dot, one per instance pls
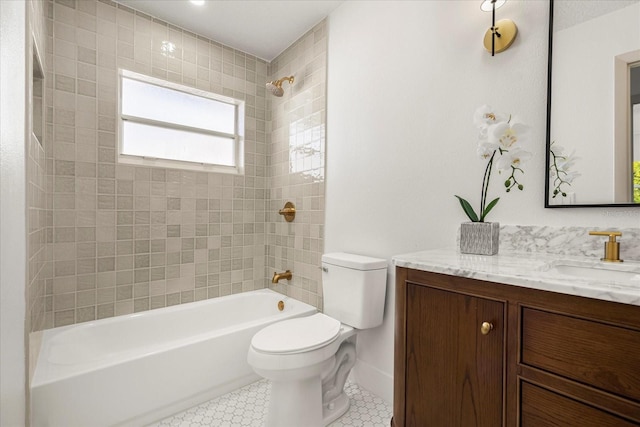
(238, 135)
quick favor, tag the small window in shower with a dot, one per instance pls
(170, 125)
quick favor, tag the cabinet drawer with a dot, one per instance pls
(542, 408)
(604, 356)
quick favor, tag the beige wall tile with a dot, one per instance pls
(146, 238)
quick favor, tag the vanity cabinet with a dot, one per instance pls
(477, 353)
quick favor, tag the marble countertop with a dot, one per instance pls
(532, 270)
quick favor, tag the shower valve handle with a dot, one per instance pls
(289, 212)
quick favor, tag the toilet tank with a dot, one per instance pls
(354, 288)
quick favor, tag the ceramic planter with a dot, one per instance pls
(480, 238)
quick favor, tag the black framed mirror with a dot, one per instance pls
(593, 104)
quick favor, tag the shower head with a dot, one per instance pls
(275, 90)
(275, 87)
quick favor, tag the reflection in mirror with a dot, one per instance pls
(593, 129)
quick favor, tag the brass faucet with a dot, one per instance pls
(612, 247)
(278, 276)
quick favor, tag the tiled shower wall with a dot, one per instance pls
(296, 166)
(126, 239)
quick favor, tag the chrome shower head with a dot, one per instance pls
(275, 87)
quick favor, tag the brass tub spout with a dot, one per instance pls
(278, 276)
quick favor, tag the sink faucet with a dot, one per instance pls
(278, 276)
(612, 247)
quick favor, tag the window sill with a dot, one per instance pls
(176, 164)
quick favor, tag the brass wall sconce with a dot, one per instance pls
(501, 35)
(289, 211)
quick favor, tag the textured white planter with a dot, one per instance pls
(481, 238)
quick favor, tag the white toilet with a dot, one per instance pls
(308, 359)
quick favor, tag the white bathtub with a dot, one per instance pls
(133, 370)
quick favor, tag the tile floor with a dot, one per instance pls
(248, 407)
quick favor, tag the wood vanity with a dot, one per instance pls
(472, 352)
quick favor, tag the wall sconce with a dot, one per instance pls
(501, 35)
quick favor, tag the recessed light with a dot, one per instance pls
(197, 2)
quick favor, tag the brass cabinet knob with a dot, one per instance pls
(486, 327)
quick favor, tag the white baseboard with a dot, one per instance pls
(374, 380)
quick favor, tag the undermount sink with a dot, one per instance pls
(616, 273)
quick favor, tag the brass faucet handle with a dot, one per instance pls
(612, 234)
(612, 247)
(289, 211)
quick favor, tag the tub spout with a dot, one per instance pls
(278, 276)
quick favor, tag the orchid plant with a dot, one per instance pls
(499, 141)
(560, 169)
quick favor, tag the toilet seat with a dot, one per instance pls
(297, 335)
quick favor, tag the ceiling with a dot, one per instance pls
(263, 28)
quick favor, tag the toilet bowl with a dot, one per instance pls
(297, 363)
(307, 360)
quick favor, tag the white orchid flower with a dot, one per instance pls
(565, 163)
(497, 134)
(560, 167)
(486, 149)
(485, 116)
(506, 135)
(570, 176)
(514, 158)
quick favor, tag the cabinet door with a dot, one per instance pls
(454, 373)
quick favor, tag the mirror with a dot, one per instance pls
(593, 110)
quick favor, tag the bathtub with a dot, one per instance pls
(136, 369)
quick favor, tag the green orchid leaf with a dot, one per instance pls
(489, 207)
(466, 207)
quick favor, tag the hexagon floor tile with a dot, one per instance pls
(248, 407)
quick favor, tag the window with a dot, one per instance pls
(171, 125)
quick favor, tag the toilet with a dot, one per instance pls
(308, 359)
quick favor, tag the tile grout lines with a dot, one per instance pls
(247, 406)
